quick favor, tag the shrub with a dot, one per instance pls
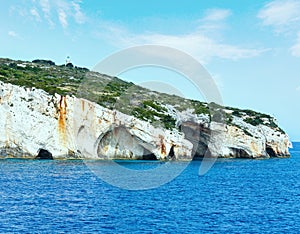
(254, 121)
(44, 62)
(237, 113)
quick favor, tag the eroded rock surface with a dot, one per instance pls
(71, 127)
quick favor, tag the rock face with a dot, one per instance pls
(71, 127)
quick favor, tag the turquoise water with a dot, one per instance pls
(235, 196)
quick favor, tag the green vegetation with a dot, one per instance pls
(43, 62)
(154, 113)
(52, 79)
(237, 113)
(255, 118)
(114, 93)
(200, 107)
(254, 121)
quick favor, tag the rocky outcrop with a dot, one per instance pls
(70, 127)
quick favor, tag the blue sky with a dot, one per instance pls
(251, 48)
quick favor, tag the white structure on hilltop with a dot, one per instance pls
(68, 60)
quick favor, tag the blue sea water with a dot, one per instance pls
(235, 196)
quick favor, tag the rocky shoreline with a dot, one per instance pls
(70, 127)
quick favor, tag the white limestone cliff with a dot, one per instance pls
(70, 127)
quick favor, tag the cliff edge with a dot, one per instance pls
(41, 108)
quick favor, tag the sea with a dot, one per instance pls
(234, 196)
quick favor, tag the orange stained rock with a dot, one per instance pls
(82, 105)
(163, 150)
(62, 120)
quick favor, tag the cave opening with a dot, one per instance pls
(148, 155)
(119, 143)
(172, 153)
(200, 150)
(199, 136)
(239, 153)
(44, 154)
(270, 151)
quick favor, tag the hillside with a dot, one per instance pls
(114, 93)
(158, 109)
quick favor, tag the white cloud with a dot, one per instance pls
(78, 15)
(35, 14)
(216, 14)
(45, 5)
(295, 49)
(280, 14)
(195, 43)
(12, 34)
(284, 17)
(214, 21)
(63, 12)
(62, 18)
(46, 9)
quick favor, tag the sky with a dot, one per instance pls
(251, 48)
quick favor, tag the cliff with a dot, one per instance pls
(41, 109)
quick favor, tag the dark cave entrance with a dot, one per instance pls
(148, 155)
(172, 153)
(239, 153)
(44, 154)
(200, 150)
(270, 152)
